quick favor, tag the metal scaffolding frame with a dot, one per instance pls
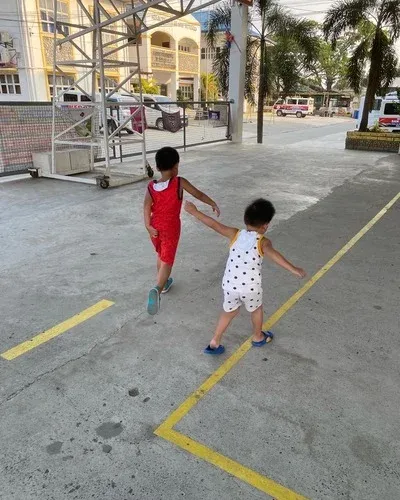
(125, 24)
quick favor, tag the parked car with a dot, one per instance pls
(83, 107)
(155, 105)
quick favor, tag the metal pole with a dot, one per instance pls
(95, 121)
(184, 127)
(142, 112)
(53, 123)
(103, 102)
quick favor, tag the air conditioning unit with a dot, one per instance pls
(4, 57)
(5, 37)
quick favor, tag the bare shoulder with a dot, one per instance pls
(266, 243)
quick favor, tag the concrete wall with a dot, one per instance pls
(373, 141)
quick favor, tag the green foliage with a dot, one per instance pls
(263, 69)
(284, 59)
(148, 86)
(375, 27)
(209, 87)
(329, 70)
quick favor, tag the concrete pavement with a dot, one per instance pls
(317, 411)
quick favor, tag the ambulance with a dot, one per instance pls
(385, 113)
(297, 106)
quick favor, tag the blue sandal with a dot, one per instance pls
(216, 351)
(153, 304)
(267, 335)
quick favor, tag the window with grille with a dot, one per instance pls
(109, 84)
(47, 15)
(9, 84)
(210, 53)
(108, 38)
(62, 83)
(186, 92)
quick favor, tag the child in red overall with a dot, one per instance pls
(162, 209)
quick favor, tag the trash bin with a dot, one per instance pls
(355, 114)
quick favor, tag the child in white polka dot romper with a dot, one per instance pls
(242, 282)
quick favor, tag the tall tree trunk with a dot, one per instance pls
(261, 93)
(373, 82)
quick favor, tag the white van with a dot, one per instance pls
(83, 108)
(155, 105)
(385, 112)
(298, 106)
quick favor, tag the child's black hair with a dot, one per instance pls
(258, 213)
(166, 159)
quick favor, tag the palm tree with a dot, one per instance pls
(380, 18)
(270, 20)
(219, 23)
(209, 87)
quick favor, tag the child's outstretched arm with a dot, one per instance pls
(147, 215)
(278, 258)
(196, 193)
(228, 232)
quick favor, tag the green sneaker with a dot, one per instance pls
(153, 304)
(168, 285)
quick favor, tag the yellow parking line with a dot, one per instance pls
(66, 325)
(165, 430)
(262, 483)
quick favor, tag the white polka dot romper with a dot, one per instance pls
(242, 278)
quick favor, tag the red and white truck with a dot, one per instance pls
(298, 106)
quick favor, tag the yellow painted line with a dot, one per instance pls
(193, 399)
(165, 430)
(262, 483)
(66, 325)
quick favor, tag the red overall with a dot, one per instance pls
(165, 217)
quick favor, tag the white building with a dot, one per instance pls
(171, 55)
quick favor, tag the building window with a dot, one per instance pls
(9, 84)
(186, 92)
(183, 48)
(62, 83)
(109, 84)
(47, 15)
(210, 53)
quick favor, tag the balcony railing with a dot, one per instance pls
(163, 58)
(188, 62)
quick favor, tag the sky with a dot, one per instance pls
(312, 9)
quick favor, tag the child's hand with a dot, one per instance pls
(152, 232)
(216, 209)
(299, 272)
(190, 208)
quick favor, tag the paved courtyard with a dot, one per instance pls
(116, 405)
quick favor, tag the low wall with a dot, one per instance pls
(25, 128)
(373, 141)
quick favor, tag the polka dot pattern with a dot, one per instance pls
(243, 268)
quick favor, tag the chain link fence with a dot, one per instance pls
(26, 128)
